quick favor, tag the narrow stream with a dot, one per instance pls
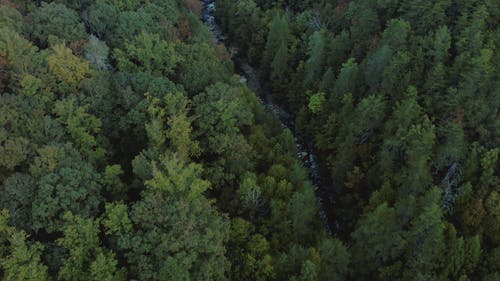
(305, 149)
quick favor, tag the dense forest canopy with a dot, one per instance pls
(130, 149)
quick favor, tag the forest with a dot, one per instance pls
(134, 147)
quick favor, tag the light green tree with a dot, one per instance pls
(87, 259)
(19, 259)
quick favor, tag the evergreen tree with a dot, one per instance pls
(279, 66)
(278, 37)
(379, 239)
(316, 54)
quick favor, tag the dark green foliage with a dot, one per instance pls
(316, 52)
(102, 19)
(378, 239)
(129, 25)
(18, 193)
(335, 260)
(200, 67)
(129, 150)
(65, 183)
(56, 20)
(423, 15)
(399, 99)
(277, 39)
(279, 65)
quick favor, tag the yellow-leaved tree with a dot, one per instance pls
(67, 67)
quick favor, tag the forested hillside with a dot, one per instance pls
(401, 102)
(130, 149)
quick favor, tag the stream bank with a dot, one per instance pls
(305, 149)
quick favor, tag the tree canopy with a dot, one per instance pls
(249, 140)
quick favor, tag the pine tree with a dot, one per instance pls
(279, 67)
(378, 239)
(316, 57)
(278, 37)
(425, 239)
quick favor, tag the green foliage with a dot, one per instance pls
(423, 15)
(488, 164)
(19, 259)
(316, 102)
(122, 4)
(277, 39)
(425, 240)
(53, 19)
(375, 66)
(378, 239)
(30, 85)
(255, 261)
(130, 151)
(200, 67)
(279, 65)
(250, 195)
(223, 109)
(404, 115)
(147, 52)
(17, 50)
(77, 5)
(335, 259)
(258, 263)
(316, 53)
(65, 183)
(222, 113)
(171, 127)
(492, 229)
(68, 68)
(18, 192)
(86, 257)
(117, 219)
(365, 23)
(102, 19)
(130, 24)
(346, 80)
(176, 179)
(304, 214)
(244, 22)
(308, 272)
(11, 18)
(395, 34)
(441, 44)
(81, 126)
(14, 151)
(174, 222)
(112, 181)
